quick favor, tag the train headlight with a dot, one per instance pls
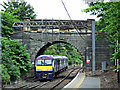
(38, 70)
(49, 70)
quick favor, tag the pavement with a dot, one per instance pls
(81, 81)
(91, 82)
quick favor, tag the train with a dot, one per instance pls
(47, 66)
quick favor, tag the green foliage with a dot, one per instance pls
(25, 10)
(109, 23)
(5, 76)
(7, 20)
(14, 57)
(14, 10)
(64, 50)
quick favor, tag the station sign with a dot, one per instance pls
(87, 61)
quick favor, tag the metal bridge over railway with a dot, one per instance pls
(39, 34)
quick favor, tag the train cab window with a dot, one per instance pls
(44, 62)
(48, 62)
(40, 62)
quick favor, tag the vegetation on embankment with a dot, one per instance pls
(15, 60)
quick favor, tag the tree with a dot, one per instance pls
(109, 23)
(7, 20)
(64, 50)
(89, 1)
(25, 10)
(15, 59)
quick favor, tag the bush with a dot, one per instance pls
(5, 76)
(15, 58)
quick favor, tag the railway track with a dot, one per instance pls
(32, 86)
(56, 83)
(60, 83)
(61, 80)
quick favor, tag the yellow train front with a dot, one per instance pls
(46, 66)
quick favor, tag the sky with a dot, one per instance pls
(54, 9)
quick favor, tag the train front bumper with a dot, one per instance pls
(44, 75)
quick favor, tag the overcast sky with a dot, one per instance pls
(54, 9)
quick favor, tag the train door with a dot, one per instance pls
(63, 62)
(55, 65)
(58, 64)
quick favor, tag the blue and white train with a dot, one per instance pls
(46, 66)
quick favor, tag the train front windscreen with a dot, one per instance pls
(44, 62)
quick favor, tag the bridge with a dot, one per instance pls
(39, 34)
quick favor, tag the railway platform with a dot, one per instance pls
(81, 81)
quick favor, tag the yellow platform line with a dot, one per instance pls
(76, 82)
(80, 80)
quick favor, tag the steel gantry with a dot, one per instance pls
(55, 24)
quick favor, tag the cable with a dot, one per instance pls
(72, 22)
(66, 10)
(71, 18)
